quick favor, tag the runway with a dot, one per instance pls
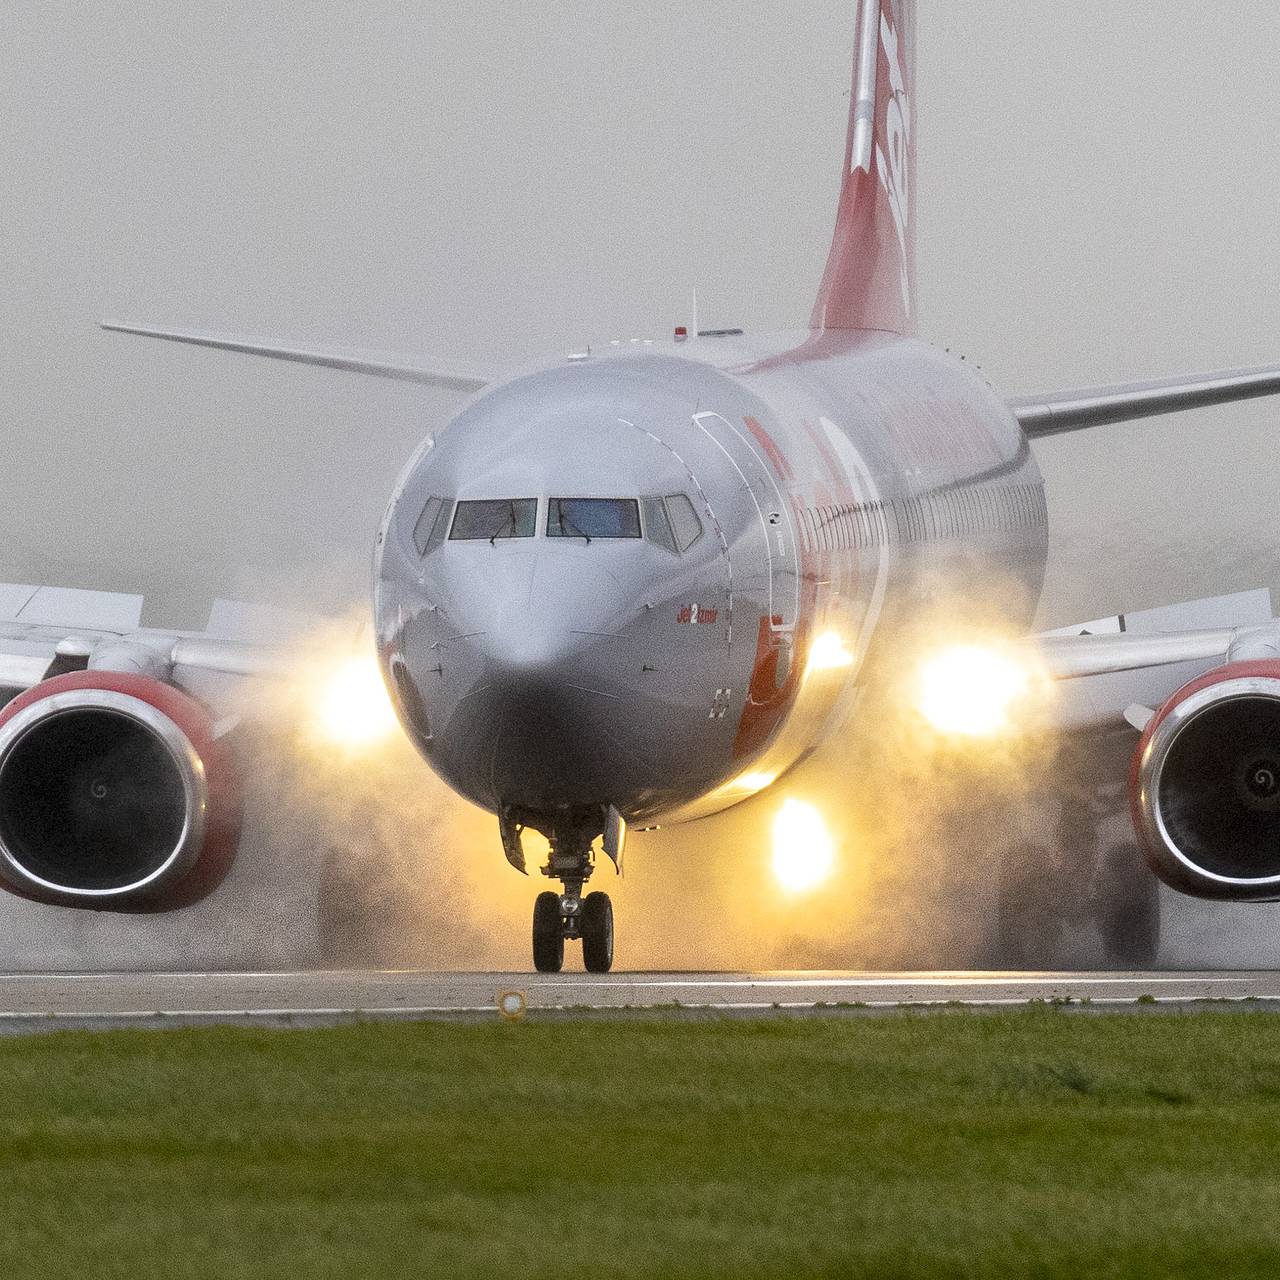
(36, 1001)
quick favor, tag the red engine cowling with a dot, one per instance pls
(1206, 785)
(114, 794)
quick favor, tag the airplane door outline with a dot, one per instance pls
(774, 516)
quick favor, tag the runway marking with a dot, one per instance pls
(980, 981)
(408, 1013)
(622, 980)
(345, 997)
(115, 975)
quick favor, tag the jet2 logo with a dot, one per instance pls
(696, 616)
(895, 172)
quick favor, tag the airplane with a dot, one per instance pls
(638, 585)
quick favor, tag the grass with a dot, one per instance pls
(1034, 1143)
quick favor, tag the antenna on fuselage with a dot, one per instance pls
(686, 331)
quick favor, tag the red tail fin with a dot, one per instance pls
(870, 280)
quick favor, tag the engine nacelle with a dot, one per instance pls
(115, 794)
(1206, 785)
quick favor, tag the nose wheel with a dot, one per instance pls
(548, 933)
(597, 933)
(568, 914)
(559, 916)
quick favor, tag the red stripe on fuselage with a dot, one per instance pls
(780, 465)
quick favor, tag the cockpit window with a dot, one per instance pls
(593, 518)
(491, 519)
(684, 520)
(657, 528)
(429, 529)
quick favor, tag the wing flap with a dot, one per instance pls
(24, 664)
(69, 607)
(1239, 609)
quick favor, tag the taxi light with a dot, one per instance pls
(971, 690)
(827, 652)
(803, 852)
(354, 710)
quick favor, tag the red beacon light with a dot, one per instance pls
(682, 333)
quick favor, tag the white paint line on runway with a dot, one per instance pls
(622, 978)
(623, 981)
(1001, 980)
(281, 998)
(403, 1013)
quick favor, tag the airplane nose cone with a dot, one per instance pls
(529, 648)
(534, 716)
(543, 633)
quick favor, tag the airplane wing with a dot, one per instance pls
(31, 654)
(1074, 658)
(453, 377)
(1060, 412)
(49, 631)
(1112, 669)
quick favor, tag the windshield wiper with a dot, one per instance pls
(566, 523)
(508, 523)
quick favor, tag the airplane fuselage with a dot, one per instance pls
(840, 486)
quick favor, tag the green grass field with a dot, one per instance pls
(1033, 1143)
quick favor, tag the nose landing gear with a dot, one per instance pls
(557, 916)
(569, 915)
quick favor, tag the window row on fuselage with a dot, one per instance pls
(933, 516)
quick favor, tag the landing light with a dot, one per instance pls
(827, 652)
(803, 854)
(354, 710)
(970, 691)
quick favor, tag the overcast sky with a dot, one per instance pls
(1098, 195)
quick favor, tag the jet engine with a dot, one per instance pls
(1206, 785)
(115, 794)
